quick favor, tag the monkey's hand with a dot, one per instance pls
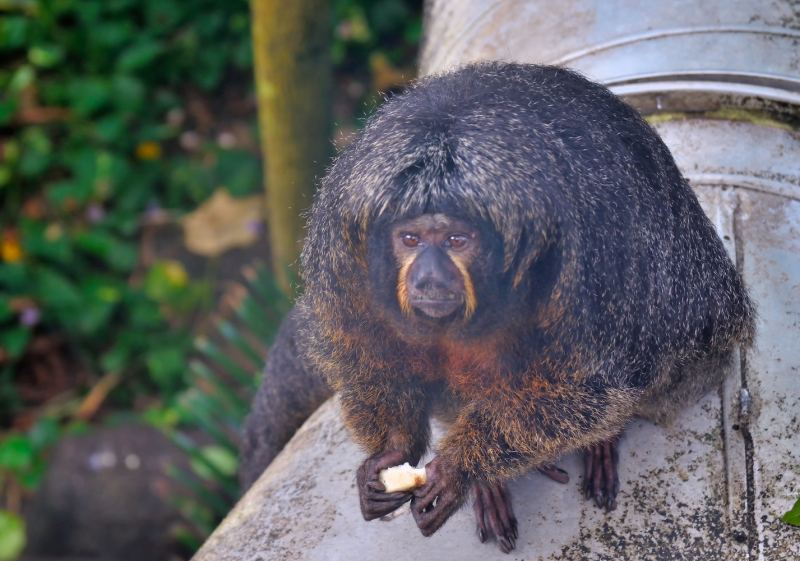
(439, 498)
(374, 501)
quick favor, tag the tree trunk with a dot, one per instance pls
(291, 43)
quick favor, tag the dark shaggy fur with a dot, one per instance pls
(604, 291)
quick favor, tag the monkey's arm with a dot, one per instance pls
(504, 434)
(387, 414)
(290, 392)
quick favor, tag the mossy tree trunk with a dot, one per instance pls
(291, 42)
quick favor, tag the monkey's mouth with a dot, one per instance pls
(437, 307)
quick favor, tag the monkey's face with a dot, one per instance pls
(434, 253)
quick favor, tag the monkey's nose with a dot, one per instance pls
(431, 272)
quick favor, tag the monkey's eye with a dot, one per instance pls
(410, 240)
(456, 242)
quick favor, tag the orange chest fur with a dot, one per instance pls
(466, 368)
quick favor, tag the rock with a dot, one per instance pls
(106, 496)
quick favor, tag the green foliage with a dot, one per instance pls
(21, 454)
(97, 101)
(793, 516)
(223, 378)
(12, 535)
(364, 27)
(109, 113)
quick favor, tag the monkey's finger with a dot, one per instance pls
(502, 511)
(597, 479)
(608, 476)
(509, 510)
(611, 473)
(372, 510)
(390, 459)
(387, 497)
(430, 520)
(478, 507)
(425, 496)
(588, 471)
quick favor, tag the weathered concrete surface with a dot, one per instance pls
(672, 500)
(770, 228)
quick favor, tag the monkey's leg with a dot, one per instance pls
(493, 503)
(289, 393)
(600, 479)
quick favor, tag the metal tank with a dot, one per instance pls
(720, 81)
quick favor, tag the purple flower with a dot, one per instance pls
(255, 227)
(95, 213)
(29, 316)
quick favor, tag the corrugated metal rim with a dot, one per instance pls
(660, 33)
(721, 88)
(783, 189)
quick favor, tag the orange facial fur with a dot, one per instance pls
(402, 287)
(470, 301)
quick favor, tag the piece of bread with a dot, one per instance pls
(402, 478)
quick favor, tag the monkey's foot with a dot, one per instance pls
(600, 479)
(493, 503)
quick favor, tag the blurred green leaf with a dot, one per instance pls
(114, 33)
(166, 367)
(129, 93)
(5, 175)
(163, 15)
(139, 55)
(14, 276)
(56, 291)
(44, 433)
(89, 94)
(221, 458)
(65, 193)
(14, 31)
(793, 516)
(117, 358)
(31, 478)
(239, 171)
(22, 78)
(144, 313)
(5, 310)
(100, 300)
(166, 280)
(16, 453)
(45, 56)
(162, 417)
(45, 241)
(12, 535)
(8, 107)
(14, 341)
(36, 152)
(110, 129)
(121, 256)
